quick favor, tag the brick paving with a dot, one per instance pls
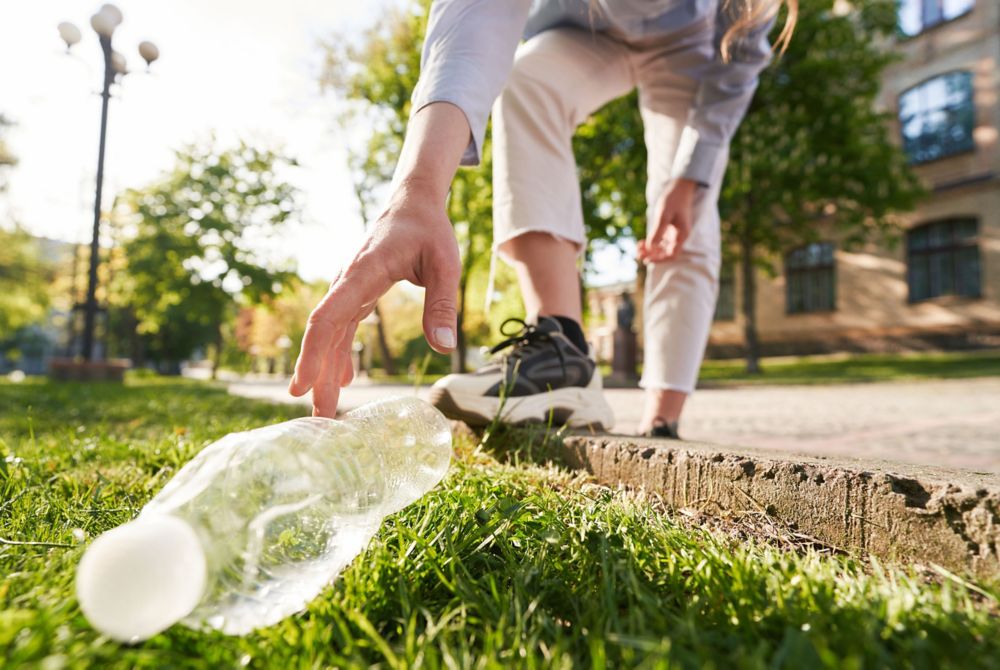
(950, 423)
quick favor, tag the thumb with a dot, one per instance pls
(682, 224)
(440, 312)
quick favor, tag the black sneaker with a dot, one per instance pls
(663, 429)
(543, 377)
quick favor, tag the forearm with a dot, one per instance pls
(436, 138)
(466, 58)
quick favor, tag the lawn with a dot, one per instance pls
(855, 368)
(837, 369)
(502, 565)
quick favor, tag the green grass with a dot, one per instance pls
(856, 368)
(500, 566)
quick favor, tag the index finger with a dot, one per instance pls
(326, 391)
(345, 302)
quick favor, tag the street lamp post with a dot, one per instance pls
(104, 23)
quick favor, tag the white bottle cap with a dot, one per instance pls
(142, 577)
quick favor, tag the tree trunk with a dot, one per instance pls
(137, 350)
(458, 356)
(217, 354)
(750, 304)
(388, 363)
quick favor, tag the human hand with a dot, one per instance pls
(413, 240)
(673, 220)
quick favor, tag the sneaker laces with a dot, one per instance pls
(528, 338)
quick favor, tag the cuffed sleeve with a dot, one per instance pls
(467, 56)
(724, 93)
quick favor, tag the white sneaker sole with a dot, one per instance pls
(574, 406)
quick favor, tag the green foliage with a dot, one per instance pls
(375, 76)
(24, 282)
(813, 150)
(498, 567)
(813, 155)
(7, 159)
(611, 156)
(197, 245)
(812, 158)
(420, 358)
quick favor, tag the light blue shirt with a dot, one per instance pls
(469, 51)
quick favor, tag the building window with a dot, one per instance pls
(725, 306)
(936, 117)
(942, 258)
(811, 281)
(916, 16)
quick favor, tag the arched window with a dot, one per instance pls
(942, 258)
(937, 117)
(810, 279)
(916, 16)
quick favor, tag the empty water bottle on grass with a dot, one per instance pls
(258, 523)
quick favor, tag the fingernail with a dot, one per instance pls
(445, 337)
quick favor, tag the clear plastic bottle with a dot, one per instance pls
(258, 523)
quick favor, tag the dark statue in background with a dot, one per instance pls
(623, 362)
(626, 311)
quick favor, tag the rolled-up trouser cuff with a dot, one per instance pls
(509, 235)
(656, 386)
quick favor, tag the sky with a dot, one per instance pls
(241, 69)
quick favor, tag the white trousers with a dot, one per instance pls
(560, 77)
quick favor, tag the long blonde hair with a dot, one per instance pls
(750, 15)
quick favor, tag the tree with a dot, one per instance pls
(7, 159)
(196, 245)
(611, 159)
(812, 145)
(271, 330)
(367, 175)
(813, 154)
(23, 277)
(24, 282)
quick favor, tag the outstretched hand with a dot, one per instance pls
(413, 240)
(673, 219)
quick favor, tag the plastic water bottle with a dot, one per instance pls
(258, 523)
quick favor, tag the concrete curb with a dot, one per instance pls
(894, 511)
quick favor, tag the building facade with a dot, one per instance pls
(939, 285)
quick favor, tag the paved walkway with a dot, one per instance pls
(954, 423)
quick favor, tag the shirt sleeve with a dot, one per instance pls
(467, 56)
(721, 101)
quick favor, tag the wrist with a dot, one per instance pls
(435, 139)
(419, 190)
(685, 185)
